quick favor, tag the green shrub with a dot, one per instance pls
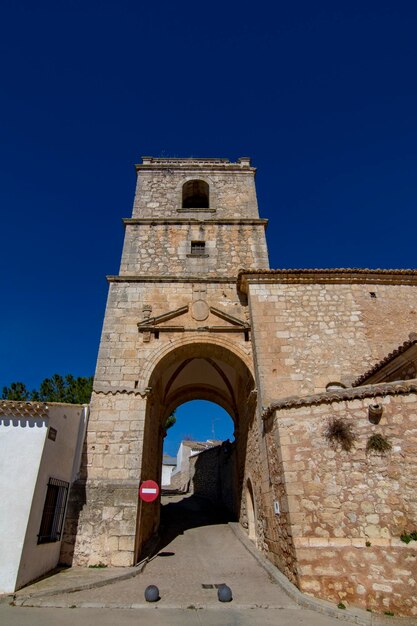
(340, 432)
(378, 443)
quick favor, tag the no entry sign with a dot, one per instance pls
(148, 491)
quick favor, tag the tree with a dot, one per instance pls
(66, 389)
(55, 389)
(16, 391)
(170, 421)
(52, 389)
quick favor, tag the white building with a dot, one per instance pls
(180, 477)
(168, 466)
(40, 453)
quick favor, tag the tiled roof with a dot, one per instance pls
(15, 408)
(368, 391)
(330, 275)
(390, 357)
(202, 445)
(169, 460)
(330, 270)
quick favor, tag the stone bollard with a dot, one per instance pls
(152, 593)
(224, 593)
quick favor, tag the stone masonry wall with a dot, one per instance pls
(165, 248)
(212, 475)
(307, 335)
(102, 513)
(278, 543)
(347, 510)
(123, 354)
(232, 192)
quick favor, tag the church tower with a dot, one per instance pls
(175, 329)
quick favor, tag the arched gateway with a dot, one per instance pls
(176, 328)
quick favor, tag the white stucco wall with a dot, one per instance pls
(57, 462)
(183, 456)
(28, 459)
(21, 445)
(166, 474)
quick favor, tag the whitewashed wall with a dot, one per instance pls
(21, 445)
(28, 459)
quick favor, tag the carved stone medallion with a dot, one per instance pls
(200, 310)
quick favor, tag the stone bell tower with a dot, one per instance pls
(194, 225)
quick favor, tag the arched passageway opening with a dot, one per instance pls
(195, 432)
(198, 371)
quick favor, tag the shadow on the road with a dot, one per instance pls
(178, 517)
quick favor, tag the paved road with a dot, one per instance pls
(191, 559)
(229, 616)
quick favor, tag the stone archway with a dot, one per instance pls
(191, 371)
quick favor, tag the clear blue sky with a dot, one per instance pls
(198, 420)
(322, 96)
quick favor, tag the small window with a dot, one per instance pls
(53, 511)
(198, 248)
(195, 195)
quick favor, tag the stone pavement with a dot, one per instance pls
(221, 616)
(186, 568)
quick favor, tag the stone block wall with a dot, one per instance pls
(159, 189)
(347, 509)
(124, 356)
(307, 335)
(212, 474)
(275, 530)
(102, 512)
(164, 248)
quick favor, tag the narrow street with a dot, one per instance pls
(198, 551)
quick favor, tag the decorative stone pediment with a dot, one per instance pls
(188, 319)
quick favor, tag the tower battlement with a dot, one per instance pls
(191, 162)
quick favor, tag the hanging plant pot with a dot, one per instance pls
(375, 413)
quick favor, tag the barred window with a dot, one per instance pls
(198, 247)
(53, 511)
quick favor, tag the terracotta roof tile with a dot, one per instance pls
(390, 357)
(329, 275)
(14, 408)
(368, 391)
(202, 445)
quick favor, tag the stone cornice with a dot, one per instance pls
(242, 165)
(330, 276)
(171, 279)
(114, 390)
(172, 221)
(327, 397)
(16, 408)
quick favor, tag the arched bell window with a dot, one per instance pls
(195, 195)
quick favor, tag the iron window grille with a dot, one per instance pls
(53, 511)
(198, 248)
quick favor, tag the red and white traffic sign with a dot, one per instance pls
(148, 491)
